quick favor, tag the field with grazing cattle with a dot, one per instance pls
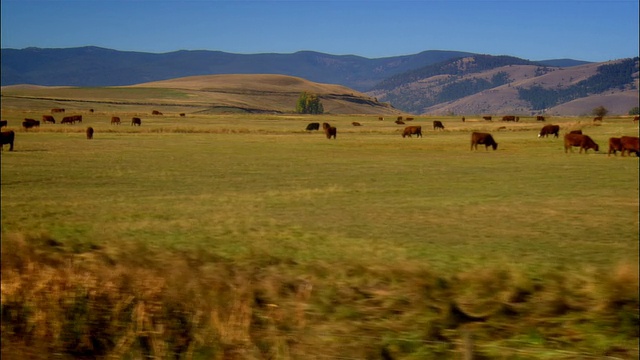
(246, 236)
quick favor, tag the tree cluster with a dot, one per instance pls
(309, 104)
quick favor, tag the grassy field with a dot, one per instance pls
(274, 242)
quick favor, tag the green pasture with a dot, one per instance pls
(240, 185)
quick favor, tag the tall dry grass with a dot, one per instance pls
(133, 300)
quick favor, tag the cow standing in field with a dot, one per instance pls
(487, 118)
(549, 130)
(48, 119)
(355, 123)
(136, 121)
(399, 122)
(463, 119)
(30, 123)
(156, 112)
(57, 110)
(437, 125)
(630, 144)
(182, 115)
(597, 118)
(7, 138)
(412, 130)
(583, 141)
(509, 118)
(635, 118)
(380, 118)
(77, 118)
(115, 120)
(483, 139)
(329, 130)
(614, 145)
(313, 126)
(540, 118)
(67, 120)
(89, 133)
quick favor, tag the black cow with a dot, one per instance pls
(549, 130)
(30, 123)
(136, 121)
(437, 125)
(7, 138)
(313, 126)
(482, 139)
(3, 123)
(89, 133)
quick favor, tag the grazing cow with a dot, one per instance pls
(463, 119)
(57, 110)
(48, 119)
(614, 145)
(509, 118)
(7, 138)
(597, 118)
(30, 123)
(583, 141)
(549, 130)
(115, 120)
(380, 118)
(313, 126)
(67, 120)
(182, 114)
(355, 123)
(635, 118)
(539, 118)
(399, 122)
(575, 132)
(77, 118)
(409, 119)
(437, 124)
(3, 123)
(630, 144)
(483, 139)
(156, 112)
(89, 133)
(410, 130)
(487, 118)
(136, 121)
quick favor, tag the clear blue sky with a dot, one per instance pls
(592, 30)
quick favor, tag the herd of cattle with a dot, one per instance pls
(575, 138)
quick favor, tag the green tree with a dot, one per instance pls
(309, 104)
(600, 111)
(634, 111)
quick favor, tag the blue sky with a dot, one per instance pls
(589, 30)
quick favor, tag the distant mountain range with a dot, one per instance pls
(429, 82)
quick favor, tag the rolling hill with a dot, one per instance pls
(252, 93)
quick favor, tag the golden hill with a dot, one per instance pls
(212, 94)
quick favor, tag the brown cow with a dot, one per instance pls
(437, 124)
(330, 131)
(325, 126)
(182, 114)
(399, 122)
(583, 141)
(3, 123)
(89, 133)
(597, 118)
(483, 139)
(156, 112)
(630, 144)
(136, 121)
(635, 118)
(355, 123)
(67, 120)
(488, 118)
(7, 138)
(77, 118)
(509, 118)
(57, 110)
(115, 120)
(539, 118)
(409, 119)
(409, 130)
(399, 118)
(614, 145)
(463, 119)
(380, 118)
(48, 119)
(549, 130)
(575, 132)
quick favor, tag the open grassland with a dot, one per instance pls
(245, 236)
